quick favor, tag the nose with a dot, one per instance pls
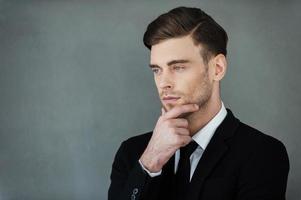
(165, 81)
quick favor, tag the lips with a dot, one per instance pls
(170, 99)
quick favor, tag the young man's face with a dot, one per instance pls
(179, 71)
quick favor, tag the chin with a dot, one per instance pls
(168, 107)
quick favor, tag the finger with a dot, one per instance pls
(182, 131)
(185, 140)
(179, 122)
(178, 110)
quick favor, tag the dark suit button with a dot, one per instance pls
(135, 191)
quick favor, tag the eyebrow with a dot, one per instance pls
(172, 62)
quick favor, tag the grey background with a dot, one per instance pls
(74, 83)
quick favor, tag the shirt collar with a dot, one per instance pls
(204, 135)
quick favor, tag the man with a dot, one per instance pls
(198, 148)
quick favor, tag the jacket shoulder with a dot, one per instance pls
(250, 140)
(255, 136)
(139, 139)
(133, 147)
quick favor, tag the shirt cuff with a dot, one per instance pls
(152, 174)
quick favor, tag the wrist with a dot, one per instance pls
(150, 163)
(151, 174)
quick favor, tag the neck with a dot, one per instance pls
(199, 119)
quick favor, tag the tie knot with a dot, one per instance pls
(188, 149)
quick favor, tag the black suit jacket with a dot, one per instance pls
(239, 163)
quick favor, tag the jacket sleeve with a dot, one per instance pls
(264, 176)
(128, 180)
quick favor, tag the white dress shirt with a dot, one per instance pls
(202, 138)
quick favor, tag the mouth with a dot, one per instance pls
(170, 99)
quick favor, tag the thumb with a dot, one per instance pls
(162, 111)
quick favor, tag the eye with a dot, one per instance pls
(178, 68)
(155, 70)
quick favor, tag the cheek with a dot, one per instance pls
(191, 89)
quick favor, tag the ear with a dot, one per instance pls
(220, 67)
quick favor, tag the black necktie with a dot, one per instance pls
(183, 171)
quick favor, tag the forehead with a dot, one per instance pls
(175, 49)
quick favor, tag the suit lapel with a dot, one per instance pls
(168, 180)
(215, 150)
(168, 168)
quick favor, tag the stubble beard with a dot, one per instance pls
(201, 99)
(200, 96)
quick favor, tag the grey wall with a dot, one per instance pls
(74, 83)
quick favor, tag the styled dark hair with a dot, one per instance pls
(182, 21)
